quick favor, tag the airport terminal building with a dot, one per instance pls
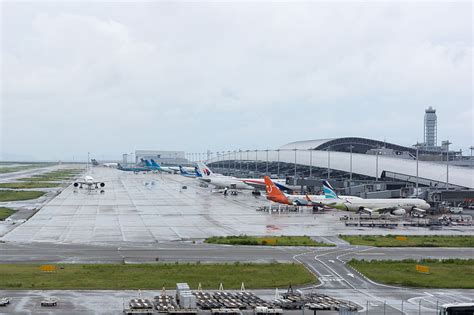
(351, 158)
(162, 157)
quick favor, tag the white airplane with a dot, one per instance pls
(90, 183)
(222, 181)
(394, 206)
(108, 164)
(276, 195)
(168, 169)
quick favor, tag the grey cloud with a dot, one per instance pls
(109, 78)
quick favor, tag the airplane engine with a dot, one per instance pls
(76, 184)
(398, 212)
(102, 184)
(299, 203)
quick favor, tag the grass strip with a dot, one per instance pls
(13, 169)
(153, 276)
(411, 241)
(449, 273)
(265, 240)
(27, 185)
(14, 195)
(5, 213)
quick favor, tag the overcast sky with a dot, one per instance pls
(110, 78)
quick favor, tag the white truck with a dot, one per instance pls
(456, 210)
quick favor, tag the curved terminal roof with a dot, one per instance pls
(363, 164)
(359, 145)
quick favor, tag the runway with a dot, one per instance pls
(336, 278)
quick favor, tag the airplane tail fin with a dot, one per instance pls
(273, 192)
(196, 171)
(329, 192)
(147, 163)
(183, 172)
(204, 170)
(153, 163)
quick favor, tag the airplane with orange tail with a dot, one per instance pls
(276, 195)
(394, 206)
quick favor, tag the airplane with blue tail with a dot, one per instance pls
(170, 169)
(185, 173)
(152, 165)
(393, 206)
(135, 169)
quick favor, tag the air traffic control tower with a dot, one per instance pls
(430, 131)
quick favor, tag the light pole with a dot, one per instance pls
(228, 156)
(470, 159)
(294, 180)
(310, 163)
(235, 160)
(417, 155)
(377, 166)
(447, 143)
(223, 160)
(256, 158)
(329, 163)
(248, 160)
(266, 170)
(88, 156)
(278, 163)
(350, 169)
(240, 161)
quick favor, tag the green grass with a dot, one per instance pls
(26, 185)
(265, 240)
(12, 169)
(153, 276)
(411, 241)
(12, 195)
(58, 175)
(450, 273)
(5, 213)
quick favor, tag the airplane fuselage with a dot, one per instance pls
(229, 182)
(406, 204)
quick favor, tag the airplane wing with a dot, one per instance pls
(415, 209)
(366, 210)
(94, 183)
(392, 210)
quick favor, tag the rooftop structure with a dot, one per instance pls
(430, 129)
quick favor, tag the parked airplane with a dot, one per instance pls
(223, 181)
(107, 164)
(276, 195)
(135, 169)
(168, 169)
(90, 183)
(153, 166)
(394, 206)
(185, 173)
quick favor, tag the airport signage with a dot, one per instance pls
(48, 268)
(422, 269)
